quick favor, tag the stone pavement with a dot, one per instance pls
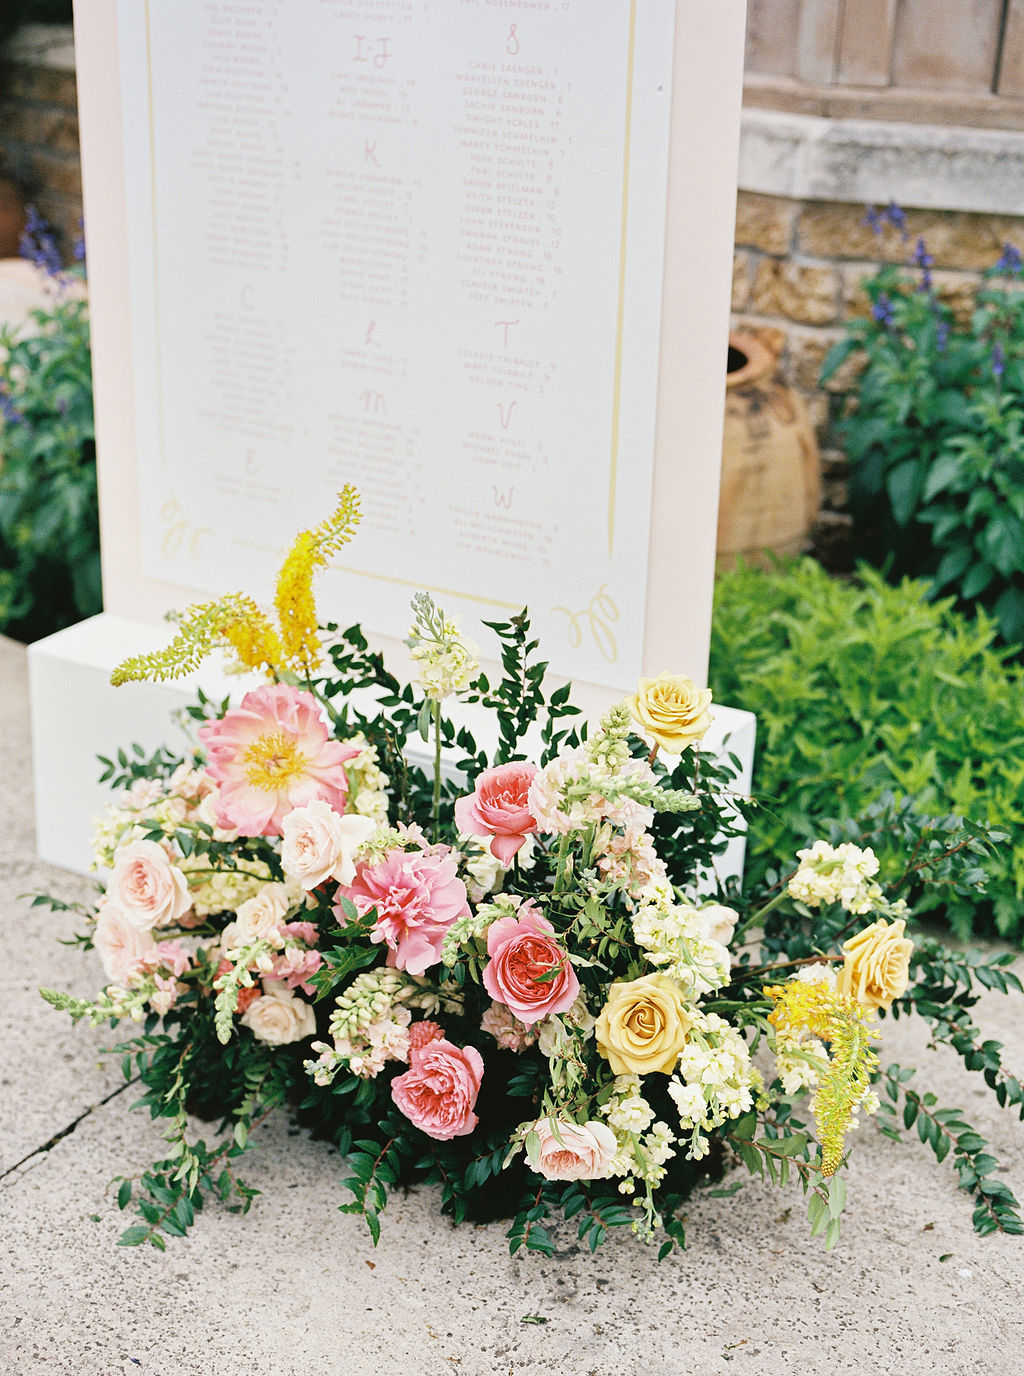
(297, 1289)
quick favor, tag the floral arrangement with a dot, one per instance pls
(511, 974)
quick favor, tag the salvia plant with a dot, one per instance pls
(934, 430)
(49, 522)
(502, 970)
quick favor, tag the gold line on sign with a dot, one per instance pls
(156, 246)
(617, 385)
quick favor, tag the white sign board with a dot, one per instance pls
(470, 255)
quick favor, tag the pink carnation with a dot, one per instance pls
(417, 897)
(499, 807)
(421, 1034)
(271, 755)
(295, 967)
(439, 1092)
(522, 952)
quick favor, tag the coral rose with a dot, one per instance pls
(876, 968)
(439, 1092)
(573, 1151)
(146, 887)
(523, 954)
(417, 896)
(644, 1025)
(672, 710)
(499, 807)
(273, 754)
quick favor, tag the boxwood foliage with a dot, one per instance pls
(863, 690)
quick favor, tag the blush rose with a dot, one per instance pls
(573, 1151)
(146, 887)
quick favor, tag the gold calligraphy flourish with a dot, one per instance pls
(180, 533)
(595, 618)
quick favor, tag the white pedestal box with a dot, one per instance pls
(77, 715)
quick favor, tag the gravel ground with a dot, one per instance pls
(296, 1288)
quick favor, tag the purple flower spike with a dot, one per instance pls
(924, 261)
(1011, 261)
(39, 246)
(875, 219)
(897, 218)
(10, 413)
(998, 360)
(882, 310)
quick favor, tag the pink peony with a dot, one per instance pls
(579, 1151)
(271, 755)
(499, 807)
(417, 897)
(146, 887)
(521, 951)
(438, 1093)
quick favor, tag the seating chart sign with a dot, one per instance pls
(415, 245)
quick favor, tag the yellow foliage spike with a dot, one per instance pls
(815, 1007)
(296, 609)
(239, 622)
(203, 629)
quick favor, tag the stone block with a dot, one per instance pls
(826, 229)
(53, 129)
(58, 174)
(805, 352)
(954, 239)
(818, 413)
(804, 292)
(742, 272)
(43, 85)
(765, 222)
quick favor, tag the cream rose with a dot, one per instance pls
(876, 968)
(320, 844)
(278, 1017)
(259, 917)
(672, 710)
(120, 943)
(643, 1026)
(146, 887)
(718, 922)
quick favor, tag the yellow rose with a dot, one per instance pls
(672, 709)
(643, 1026)
(877, 965)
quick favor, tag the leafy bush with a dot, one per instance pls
(49, 524)
(935, 434)
(863, 690)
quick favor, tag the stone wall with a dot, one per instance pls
(797, 273)
(39, 124)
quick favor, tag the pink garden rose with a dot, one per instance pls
(146, 887)
(438, 1093)
(417, 897)
(271, 755)
(499, 808)
(122, 945)
(580, 1151)
(521, 950)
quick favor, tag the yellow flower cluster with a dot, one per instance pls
(837, 1019)
(237, 621)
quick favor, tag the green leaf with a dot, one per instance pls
(904, 484)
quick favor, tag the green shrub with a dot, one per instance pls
(49, 524)
(866, 689)
(935, 433)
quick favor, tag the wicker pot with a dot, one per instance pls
(771, 474)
